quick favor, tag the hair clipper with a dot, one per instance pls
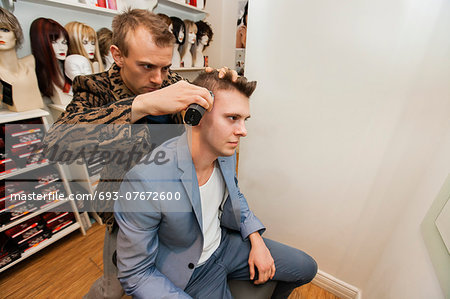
(194, 113)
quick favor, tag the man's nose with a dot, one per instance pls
(241, 129)
(157, 77)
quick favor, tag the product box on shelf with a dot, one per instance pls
(7, 190)
(26, 230)
(9, 252)
(21, 145)
(28, 244)
(55, 221)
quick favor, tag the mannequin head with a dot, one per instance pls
(204, 33)
(11, 35)
(49, 44)
(104, 36)
(191, 31)
(83, 41)
(179, 30)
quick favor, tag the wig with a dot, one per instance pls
(42, 33)
(178, 25)
(190, 26)
(204, 29)
(77, 31)
(244, 16)
(9, 21)
(104, 36)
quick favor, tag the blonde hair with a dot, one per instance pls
(77, 31)
(189, 25)
(10, 21)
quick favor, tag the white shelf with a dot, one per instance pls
(76, 6)
(58, 107)
(7, 116)
(23, 170)
(187, 69)
(31, 215)
(44, 244)
(181, 10)
(181, 6)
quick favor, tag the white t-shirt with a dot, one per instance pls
(212, 194)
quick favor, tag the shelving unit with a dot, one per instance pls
(77, 6)
(181, 10)
(31, 215)
(8, 117)
(59, 235)
(23, 170)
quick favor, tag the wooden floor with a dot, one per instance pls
(67, 268)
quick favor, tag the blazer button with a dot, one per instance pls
(191, 266)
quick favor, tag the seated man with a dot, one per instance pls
(185, 228)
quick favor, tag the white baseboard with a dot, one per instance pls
(336, 287)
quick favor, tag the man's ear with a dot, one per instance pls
(117, 55)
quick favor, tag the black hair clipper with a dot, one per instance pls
(194, 113)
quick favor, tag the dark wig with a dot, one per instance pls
(177, 24)
(42, 33)
(204, 28)
(244, 19)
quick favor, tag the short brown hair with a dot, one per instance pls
(165, 18)
(8, 20)
(212, 82)
(131, 19)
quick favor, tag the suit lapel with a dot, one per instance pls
(189, 177)
(227, 167)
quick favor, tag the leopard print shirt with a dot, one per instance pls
(99, 116)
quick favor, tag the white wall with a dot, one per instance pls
(404, 269)
(351, 107)
(223, 18)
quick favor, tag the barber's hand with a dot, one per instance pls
(260, 258)
(222, 72)
(169, 100)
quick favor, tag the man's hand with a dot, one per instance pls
(222, 72)
(260, 258)
(169, 100)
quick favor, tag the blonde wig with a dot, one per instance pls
(10, 22)
(77, 31)
(190, 26)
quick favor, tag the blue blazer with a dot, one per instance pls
(160, 239)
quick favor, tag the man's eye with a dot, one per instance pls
(233, 117)
(165, 69)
